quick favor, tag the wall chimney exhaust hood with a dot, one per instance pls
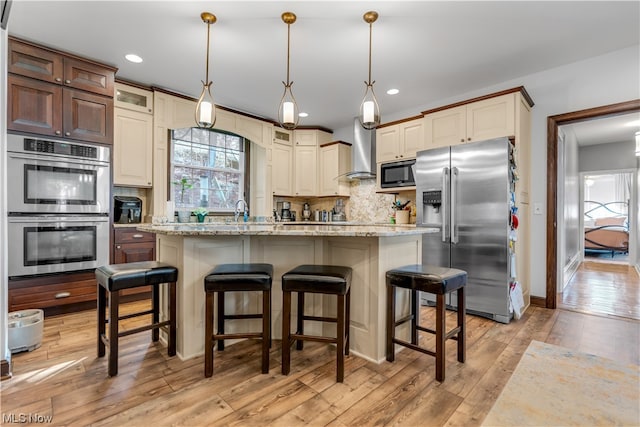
(363, 152)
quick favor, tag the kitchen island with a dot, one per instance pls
(370, 250)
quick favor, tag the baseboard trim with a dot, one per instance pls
(538, 301)
(5, 370)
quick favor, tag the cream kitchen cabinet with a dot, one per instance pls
(305, 170)
(476, 121)
(399, 141)
(133, 137)
(311, 137)
(282, 170)
(335, 161)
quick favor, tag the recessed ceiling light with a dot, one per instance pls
(393, 92)
(303, 114)
(132, 57)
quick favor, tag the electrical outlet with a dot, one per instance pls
(537, 208)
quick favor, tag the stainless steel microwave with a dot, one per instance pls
(398, 174)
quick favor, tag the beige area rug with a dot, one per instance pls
(555, 386)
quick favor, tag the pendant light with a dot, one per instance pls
(369, 110)
(638, 143)
(206, 109)
(288, 109)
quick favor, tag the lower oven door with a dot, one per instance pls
(54, 244)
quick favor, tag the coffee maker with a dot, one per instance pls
(285, 213)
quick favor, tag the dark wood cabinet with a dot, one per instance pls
(55, 94)
(131, 245)
(51, 291)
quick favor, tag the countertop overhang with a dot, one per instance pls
(280, 229)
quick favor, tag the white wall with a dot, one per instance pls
(602, 80)
(608, 157)
(571, 209)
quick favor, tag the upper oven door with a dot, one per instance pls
(57, 184)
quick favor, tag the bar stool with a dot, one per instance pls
(236, 278)
(319, 279)
(435, 280)
(116, 277)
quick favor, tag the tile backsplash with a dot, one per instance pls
(364, 204)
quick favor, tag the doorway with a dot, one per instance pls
(552, 182)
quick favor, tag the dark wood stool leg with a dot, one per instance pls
(266, 330)
(155, 307)
(114, 303)
(462, 352)
(173, 319)
(270, 331)
(391, 322)
(286, 331)
(415, 316)
(102, 302)
(208, 334)
(440, 336)
(347, 324)
(340, 339)
(220, 319)
(300, 320)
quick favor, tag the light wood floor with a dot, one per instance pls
(607, 289)
(64, 378)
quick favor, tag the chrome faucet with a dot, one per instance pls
(237, 211)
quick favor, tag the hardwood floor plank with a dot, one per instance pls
(386, 401)
(64, 377)
(356, 386)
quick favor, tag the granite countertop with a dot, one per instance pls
(139, 224)
(286, 229)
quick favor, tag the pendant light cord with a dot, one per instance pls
(370, 37)
(206, 82)
(288, 49)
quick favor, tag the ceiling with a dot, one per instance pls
(605, 130)
(430, 51)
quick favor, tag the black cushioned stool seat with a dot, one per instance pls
(435, 280)
(320, 279)
(236, 278)
(116, 277)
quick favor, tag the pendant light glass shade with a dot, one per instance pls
(369, 110)
(206, 108)
(638, 143)
(288, 109)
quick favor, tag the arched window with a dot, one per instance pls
(207, 169)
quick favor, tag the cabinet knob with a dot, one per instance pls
(401, 155)
(67, 81)
(148, 183)
(462, 140)
(63, 295)
(468, 139)
(58, 79)
(58, 132)
(67, 134)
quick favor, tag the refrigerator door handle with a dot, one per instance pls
(454, 184)
(445, 191)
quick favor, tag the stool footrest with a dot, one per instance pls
(413, 347)
(313, 338)
(129, 316)
(242, 316)
(237, 335)
(143, 328)
(320, 319)
(404, 319)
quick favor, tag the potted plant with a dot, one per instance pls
(183, 215)
(200, 213)
(184, 186)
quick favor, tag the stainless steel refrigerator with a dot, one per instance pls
(466, 192)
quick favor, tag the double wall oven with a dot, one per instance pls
(58, 205)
